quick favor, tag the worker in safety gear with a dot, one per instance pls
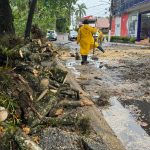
(86, 40)
(100, 37)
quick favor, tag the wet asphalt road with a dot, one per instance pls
(125, 118)
(62, 39)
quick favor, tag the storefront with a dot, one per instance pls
(143, 26)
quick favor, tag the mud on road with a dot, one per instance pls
(122, 73)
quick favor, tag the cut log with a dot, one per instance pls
(25, 142)
(43, 106)
(59, 72)
(67, 92)
(42, 95)
(54, 84)
(70, 104)
(3, 114)
(27, 106)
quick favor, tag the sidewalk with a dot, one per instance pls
(126, 44)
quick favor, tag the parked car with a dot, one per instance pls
(51, 35)
(72, 35)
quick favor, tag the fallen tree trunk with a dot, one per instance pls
(70, 104)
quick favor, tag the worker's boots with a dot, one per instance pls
(100, 48)
(84, 60)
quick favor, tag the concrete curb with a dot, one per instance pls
(126, 44)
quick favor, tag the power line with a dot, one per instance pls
(105, 2)
(95, 6)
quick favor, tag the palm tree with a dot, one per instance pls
(80, 11)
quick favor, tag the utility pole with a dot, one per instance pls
(110, 20)
(30, 17)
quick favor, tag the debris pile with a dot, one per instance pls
(36, 94)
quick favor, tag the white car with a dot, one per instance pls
(51, 35)
(72, 35)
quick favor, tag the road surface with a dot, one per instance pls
(121, 75)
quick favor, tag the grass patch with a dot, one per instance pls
(11, 105)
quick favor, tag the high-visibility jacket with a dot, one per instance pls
(85, 39)
(100, 37)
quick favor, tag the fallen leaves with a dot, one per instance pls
(59, 112)
(86, 102)
(36, 139)
(35, 72)
(26, 130)
(44, 83)
(2, 130)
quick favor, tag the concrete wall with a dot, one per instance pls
(124, 24)
(113, 27)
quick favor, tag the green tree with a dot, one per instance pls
(61, 24)
(80, 11)
(46, 13)
(70, 9)
(6, 18)
(32, 6)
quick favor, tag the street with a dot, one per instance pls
(120, 76)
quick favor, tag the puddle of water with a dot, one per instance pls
(95, 98)
(95, 63)
(141, 112)
(132, 136)
(71, 65)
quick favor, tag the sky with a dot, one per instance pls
(96, 7)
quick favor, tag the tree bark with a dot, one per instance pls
(6, 18)
(25, 142)
(30, 18)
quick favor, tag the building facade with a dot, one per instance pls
(131, 18)
(103, 24)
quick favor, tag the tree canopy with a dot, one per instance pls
(46, 14)
(81, 10)
(6, 19)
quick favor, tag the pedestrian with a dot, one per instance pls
(86, 40)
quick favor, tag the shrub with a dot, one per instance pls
(121, 39)
(132, 40)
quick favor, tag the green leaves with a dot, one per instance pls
(80, 11)
(46, 14)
